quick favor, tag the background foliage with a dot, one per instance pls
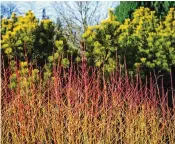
(125, 9)
(145, 41)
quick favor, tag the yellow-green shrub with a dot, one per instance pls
(145, 41)
(101, 43)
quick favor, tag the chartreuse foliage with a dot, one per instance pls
(145, 41)
(101, 43)
(24, 76)
(18, 34)
(151, 40)
(133, 39)
(26, 37)
(35, 43)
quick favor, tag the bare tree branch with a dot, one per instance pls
(75, 16)
(7, 8)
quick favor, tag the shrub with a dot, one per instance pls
(26, 37)
(101, 43)
(73, 107)
(145, 41)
